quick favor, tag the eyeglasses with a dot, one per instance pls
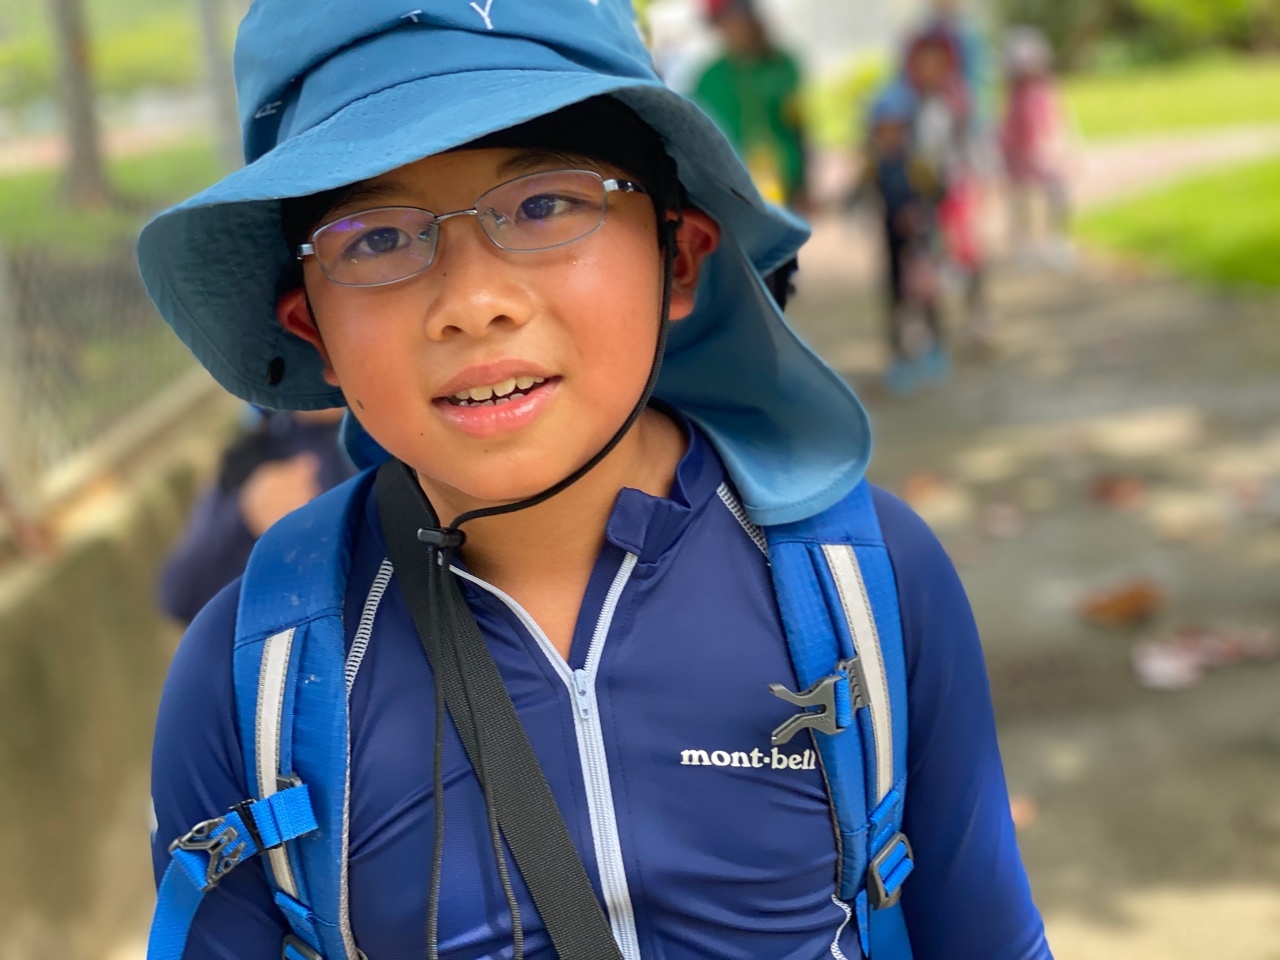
(539, 211)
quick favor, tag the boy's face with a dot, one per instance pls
(575, 327)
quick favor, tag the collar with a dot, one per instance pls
(645, 525)
(648, 526)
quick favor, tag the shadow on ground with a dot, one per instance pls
(1152, 817)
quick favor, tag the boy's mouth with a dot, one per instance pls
(497, 394)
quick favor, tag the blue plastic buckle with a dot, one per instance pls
(844, 688)
(296, 949)
(887, 871)
(220, 841)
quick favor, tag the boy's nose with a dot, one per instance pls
(472, 285)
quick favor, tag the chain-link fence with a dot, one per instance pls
(82, 350)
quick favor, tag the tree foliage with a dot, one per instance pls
(1091, 32)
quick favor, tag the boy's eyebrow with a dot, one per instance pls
(529, 159)
(370, 190)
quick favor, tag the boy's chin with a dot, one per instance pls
(479, 492)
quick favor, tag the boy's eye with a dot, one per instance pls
(377, 242)
(544, 206)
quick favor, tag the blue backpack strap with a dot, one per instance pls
(838, 599)
(294, 736)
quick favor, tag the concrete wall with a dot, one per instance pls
(83, 653)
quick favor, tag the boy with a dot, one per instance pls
(598, 553)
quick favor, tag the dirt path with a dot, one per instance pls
(1154, 817)
(1110, 171)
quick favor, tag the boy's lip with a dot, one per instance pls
(490, 420)
(487, 374)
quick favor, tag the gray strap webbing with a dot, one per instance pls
(487, 722)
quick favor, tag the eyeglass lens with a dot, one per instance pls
(536, 212)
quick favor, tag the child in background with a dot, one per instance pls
(753, 94)
(943, 137)
(280, 462)
(908, 189)
(1033, 139)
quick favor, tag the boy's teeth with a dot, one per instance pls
(480, 395)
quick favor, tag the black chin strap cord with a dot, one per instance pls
(450, 606)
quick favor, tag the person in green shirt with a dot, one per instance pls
(753, 93)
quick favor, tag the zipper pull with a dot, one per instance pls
(582, 693)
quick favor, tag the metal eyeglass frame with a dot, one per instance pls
(611, 185)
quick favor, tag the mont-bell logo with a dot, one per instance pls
(756, 759)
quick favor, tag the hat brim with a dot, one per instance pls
(791, 432)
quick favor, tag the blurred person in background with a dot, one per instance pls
(943, 137)
(1034, 142)
(950, 19)
(908, 190)
(281, 462)
(752, 91)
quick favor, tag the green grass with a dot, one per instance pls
(31, 214)
(1206, 93)
(1223, 228)
(134, 45)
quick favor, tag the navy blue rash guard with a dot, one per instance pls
(693, 861)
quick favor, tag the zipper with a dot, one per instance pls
(582, 693)
(591, 751)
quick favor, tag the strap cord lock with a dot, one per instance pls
(442, 538)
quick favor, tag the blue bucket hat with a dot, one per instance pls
(333, 92)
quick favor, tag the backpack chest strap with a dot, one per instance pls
(202, 857)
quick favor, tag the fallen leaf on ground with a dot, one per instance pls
(1180, 659)
(1118, 491)
(1124, 606)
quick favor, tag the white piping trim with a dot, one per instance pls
(591, 752)
(726, 495)
(847, 575)
(836, 952)
(360, 643)
(272, 677)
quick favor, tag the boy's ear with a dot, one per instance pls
(293, 310)
(696, 239)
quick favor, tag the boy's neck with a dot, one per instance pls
(561, 538)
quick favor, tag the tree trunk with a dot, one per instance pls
(221, 81)
(85, 182)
